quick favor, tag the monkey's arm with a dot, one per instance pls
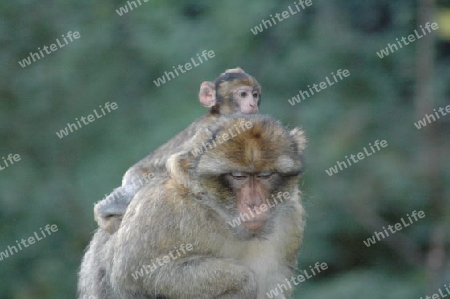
(109, 211)
(93, 280)
(186, 140)
(148, 235)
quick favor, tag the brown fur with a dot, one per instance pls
(109, 211)
(226, 262)
(228, 82)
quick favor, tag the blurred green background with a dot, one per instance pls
(57, 181)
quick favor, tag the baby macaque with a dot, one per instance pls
(233, 92)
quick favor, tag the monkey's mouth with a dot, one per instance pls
(250, 110)
(253, 218)
(254, 225)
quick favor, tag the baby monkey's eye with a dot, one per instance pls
(255, 94)
(243, 94)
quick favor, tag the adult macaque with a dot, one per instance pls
(234, 91)
(238, 207)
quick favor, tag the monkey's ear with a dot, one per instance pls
(299, 138)
(207, 94)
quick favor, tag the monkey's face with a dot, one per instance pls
(247, 99)
(242, 178)
(237, 92)
(251, 197)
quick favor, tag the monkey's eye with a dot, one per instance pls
(255, 94)
(264, 175)
(238, 175)
(243, 94)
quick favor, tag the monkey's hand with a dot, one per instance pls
(109, 211)
(226, 278)
(202, 277)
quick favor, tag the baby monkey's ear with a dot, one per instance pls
(207, 94)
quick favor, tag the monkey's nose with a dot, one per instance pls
(253, 201)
